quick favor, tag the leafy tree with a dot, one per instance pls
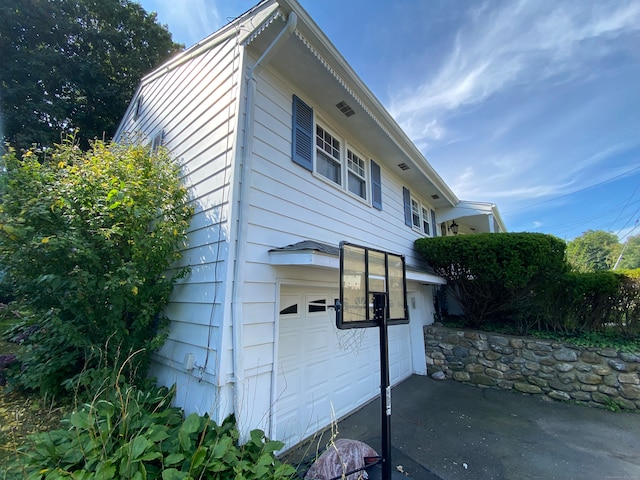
(593, 250)
(495, 275)
(73, 64)
(87, 239)
(630, 254)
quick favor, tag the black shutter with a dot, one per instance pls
(376, 186)
(302, 141)
(406, 198)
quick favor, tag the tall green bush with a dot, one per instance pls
(597, 302)
(87, 240)
(495, 275)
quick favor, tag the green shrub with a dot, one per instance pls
(495, 276)
(87, 240)
(130, 433)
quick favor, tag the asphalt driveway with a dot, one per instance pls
(449, 431)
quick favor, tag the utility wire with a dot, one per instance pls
(574, 192)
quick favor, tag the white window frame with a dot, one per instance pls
(345, 172)
(421, 216)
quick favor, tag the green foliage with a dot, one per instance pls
(130, 433)
(592, 251)
(593, 302)
(73, 64)
(494, 275)
(87, 240)
(604, 339)
(630, 253)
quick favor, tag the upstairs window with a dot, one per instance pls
(328, 155)
(417, 215)
(426, 218)
(331, 157)
(356, 181)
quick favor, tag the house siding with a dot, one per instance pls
(290, 204)
(196, 105)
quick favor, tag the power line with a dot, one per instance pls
(574, 192)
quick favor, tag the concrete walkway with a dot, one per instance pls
(447, 430)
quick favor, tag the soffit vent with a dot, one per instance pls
(435, 197)
(345, 108)
(403, 166)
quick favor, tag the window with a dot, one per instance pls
(157, 141)
(356, 182)
(415, 213)
(332, 158)
(328, 155)
(316, 304)
(426, 218)
(418, 216)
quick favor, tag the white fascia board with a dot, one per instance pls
(312, 258)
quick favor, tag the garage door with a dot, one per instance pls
(325, 373)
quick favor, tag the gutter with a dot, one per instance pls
(243, 208)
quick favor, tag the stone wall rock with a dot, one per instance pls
(598, 376)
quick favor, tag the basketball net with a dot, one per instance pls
(348, 340)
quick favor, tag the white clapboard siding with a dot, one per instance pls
(195, 106)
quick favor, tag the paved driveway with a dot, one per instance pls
(447, 430)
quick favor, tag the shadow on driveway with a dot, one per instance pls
(447, 430)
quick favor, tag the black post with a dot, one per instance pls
(380, 314)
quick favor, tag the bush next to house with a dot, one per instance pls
(89, 242)
(495, 276)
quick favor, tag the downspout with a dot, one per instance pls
(243, 208)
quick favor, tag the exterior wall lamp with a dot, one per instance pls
(453, 228)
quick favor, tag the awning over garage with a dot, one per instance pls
(312, 253)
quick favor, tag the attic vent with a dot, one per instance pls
(346, 109)
(403, 166)
(435, 197)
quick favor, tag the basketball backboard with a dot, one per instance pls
(364, 272)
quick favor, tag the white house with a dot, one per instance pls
(286, 153)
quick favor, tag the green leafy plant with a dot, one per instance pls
(131, 433)
(90, 243)
(495, 275)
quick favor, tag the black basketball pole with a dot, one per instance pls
(380, 314)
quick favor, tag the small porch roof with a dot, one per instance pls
(311, 253)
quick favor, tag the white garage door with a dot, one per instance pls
(325, 373)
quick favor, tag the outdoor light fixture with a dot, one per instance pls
(453, 228)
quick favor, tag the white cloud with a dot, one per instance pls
(520, 43)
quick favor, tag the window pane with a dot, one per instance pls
(425, 221)
(327, 143)
(415, 213)
(317, 305)
(327, 167)
(355, 164)
(357, 185)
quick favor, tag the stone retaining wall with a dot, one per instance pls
(541, 367)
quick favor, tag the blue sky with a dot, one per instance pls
(530, 104)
